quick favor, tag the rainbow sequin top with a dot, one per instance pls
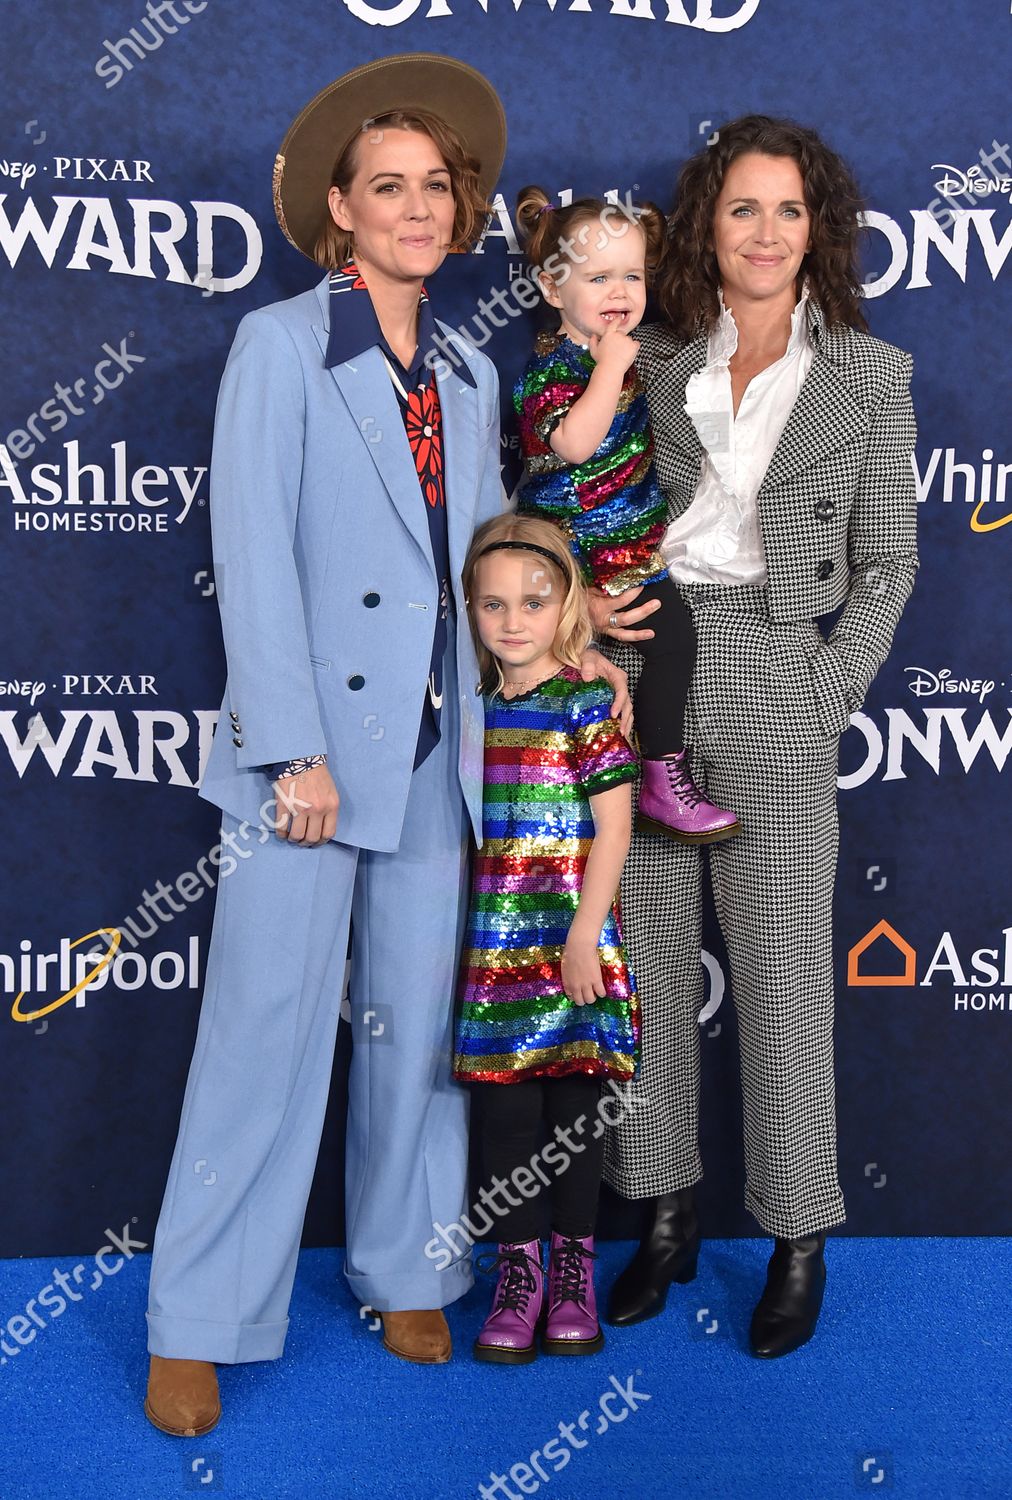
(546, 753)
(610, 506)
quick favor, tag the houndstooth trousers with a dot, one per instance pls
(761, 748)
(768, 703)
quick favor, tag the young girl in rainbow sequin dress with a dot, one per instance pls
(548, 1006)
(588, 455)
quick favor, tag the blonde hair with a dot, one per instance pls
(333, 247)
(573, 631)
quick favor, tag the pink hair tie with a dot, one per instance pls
(547, 209)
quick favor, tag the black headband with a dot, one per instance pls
(524, 547)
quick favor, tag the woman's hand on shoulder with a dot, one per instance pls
(595, 664)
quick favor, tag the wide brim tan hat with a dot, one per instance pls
(444, 86)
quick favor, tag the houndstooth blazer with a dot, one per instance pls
(837, 506)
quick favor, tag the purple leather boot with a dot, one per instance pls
(671, 803)
(507, 1336)
(571, 1326)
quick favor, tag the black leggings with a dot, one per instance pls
(511, 1120)
(668, 661)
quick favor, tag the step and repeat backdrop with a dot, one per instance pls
(136, 229)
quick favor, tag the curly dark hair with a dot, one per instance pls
(688, 282)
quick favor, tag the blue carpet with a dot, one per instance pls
(905, 1389)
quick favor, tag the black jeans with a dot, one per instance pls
(668, 662)
(511, 1119)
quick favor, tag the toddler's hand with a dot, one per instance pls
(614, 349)
(582, 979)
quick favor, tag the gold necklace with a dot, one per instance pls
(531, 681)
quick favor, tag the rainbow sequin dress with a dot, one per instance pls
(546, 753)
(610, 506)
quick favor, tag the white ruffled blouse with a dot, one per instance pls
(717, 539)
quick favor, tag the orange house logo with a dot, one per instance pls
(857, 974)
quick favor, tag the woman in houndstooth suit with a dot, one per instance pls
(783, 434)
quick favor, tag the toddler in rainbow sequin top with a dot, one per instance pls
(588, 454)
(548, 1007)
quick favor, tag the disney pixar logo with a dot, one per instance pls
(971, 183)
(927, 684)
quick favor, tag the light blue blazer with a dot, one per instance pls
(324, 571)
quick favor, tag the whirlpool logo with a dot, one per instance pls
(32, 975)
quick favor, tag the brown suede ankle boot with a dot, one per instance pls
(182, 1396)
(422, 1337)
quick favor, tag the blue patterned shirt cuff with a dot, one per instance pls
(280, 768)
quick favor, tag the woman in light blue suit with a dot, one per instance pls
(351, 465)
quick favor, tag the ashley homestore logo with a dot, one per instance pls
(861, 973)
(884, 959)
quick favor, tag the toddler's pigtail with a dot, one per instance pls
(535, 214)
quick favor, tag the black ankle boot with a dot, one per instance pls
(668, 1252)
(788, 1310)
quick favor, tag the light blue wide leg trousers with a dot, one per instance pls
(227, 1239)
